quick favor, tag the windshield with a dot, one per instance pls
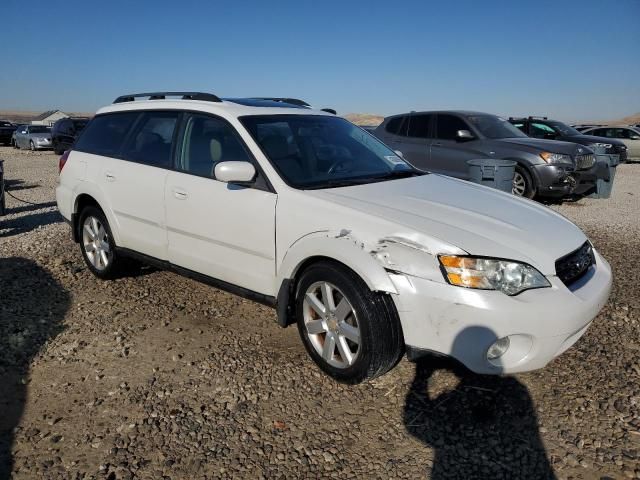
(314, 151)
(38, 130)
(494, 127)
(564, 129)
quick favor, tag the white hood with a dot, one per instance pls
(476, 219)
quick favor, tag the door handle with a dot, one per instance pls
(110, 177)
(180, 194)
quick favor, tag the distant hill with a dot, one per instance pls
(19, 116)
(630, 120)
(364, 119)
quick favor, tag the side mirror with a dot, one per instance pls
(464, 135)
(23, 131)
(399, 153)
(235, 172)
(634, 137)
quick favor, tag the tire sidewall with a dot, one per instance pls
(108, 272)
(356, 293)
(530, 190)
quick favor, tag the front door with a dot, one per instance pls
(449, 154)
(222, 230)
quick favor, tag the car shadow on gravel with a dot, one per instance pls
(26, 223)
(485, 427)
(32, 307)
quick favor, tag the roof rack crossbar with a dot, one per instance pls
(206, 97)
(292, 101)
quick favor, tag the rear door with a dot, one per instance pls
(415, 146)
(449, 155)
(222, 230)
(135, 149)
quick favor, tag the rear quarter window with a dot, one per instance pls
(393, 126)
(106, 133)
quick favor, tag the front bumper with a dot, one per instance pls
(42, 144)
(557, 181)
(464, 323)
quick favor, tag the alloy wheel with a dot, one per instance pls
(519, 185)
(95, 242)
(331, 324)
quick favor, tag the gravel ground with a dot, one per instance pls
(157, 376)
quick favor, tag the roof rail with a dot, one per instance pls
(292, 101)
(206, 97)
(533, 117)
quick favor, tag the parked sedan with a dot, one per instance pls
(34, 137)
(628, 135)
(542, 127)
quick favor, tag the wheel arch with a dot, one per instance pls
(85, 199)
(324, 247)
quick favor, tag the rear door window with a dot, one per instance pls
(419, 126)
(105, 134)
(152, 139)
(448, 126)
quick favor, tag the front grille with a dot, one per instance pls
(585, 161)
(622, 151)
(574, 265)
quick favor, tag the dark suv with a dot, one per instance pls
(443, 142)
(65, 131)
(542, 127)
(6, 131)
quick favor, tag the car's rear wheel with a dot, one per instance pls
(56, 148)
(523, 184)
(350, 332)
(97, 245)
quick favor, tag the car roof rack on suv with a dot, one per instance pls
(530, 117)
(292, 101)
(206, 97)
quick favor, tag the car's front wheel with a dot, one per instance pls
(97, 245)
(351, 333)
(523, 185)
(32, 146)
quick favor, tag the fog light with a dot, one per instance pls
(498, 348)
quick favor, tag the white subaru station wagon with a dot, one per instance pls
(301, 210)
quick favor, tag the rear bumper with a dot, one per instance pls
(462, 323)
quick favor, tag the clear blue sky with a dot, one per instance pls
(571, 59)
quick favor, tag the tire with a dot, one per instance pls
(14, 144)
(93, 246)
(32, 146)
(523, 185)
(56, 148)
(365, 332)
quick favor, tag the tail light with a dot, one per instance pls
(63, 160)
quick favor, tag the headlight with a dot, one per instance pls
(601, 145)
(507, 276)
(42, 139)
(556, 157)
